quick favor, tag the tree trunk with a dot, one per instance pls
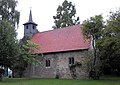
(94, 49)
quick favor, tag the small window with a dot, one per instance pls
(47, 63)
(71, 60)
(27, 27)
(33, 27)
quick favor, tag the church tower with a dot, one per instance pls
(30, 28)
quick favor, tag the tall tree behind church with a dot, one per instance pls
(65, 15)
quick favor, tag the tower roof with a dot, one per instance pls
(30, 21)
(30, 17)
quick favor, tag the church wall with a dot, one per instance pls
(59, 65)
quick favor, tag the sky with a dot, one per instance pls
(44, 10)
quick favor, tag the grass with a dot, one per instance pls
(104, 81)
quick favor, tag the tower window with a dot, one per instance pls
(33, 27)
(27, 27)
(47, 63)
(71, 60)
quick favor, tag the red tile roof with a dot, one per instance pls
(64, 39)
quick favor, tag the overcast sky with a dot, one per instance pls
(44, 10)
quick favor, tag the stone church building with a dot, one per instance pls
(64, 52)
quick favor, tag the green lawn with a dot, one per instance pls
(106, 81)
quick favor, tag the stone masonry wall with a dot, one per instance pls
(59, 65)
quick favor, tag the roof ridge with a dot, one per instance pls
(58, 29)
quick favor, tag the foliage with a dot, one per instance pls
(25, 57)
(109, 44)
(92, 28)
(65, 15)
(8, 44)
(9, 16)
(107, 39)
(8, 11)
(27, 51)
(13, 54)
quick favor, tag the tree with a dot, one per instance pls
(9, 17)
(25, 57)
(8, 11)
(8, 44)
(109, 44)
(92, 28)
(12, 53)
(65, 15)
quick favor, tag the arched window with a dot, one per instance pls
(71, 60)
(47, 63)
(33, 27)
(27, 27)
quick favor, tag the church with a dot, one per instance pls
(64, 52)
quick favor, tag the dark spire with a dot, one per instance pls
(30, 21)
(30, 17)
